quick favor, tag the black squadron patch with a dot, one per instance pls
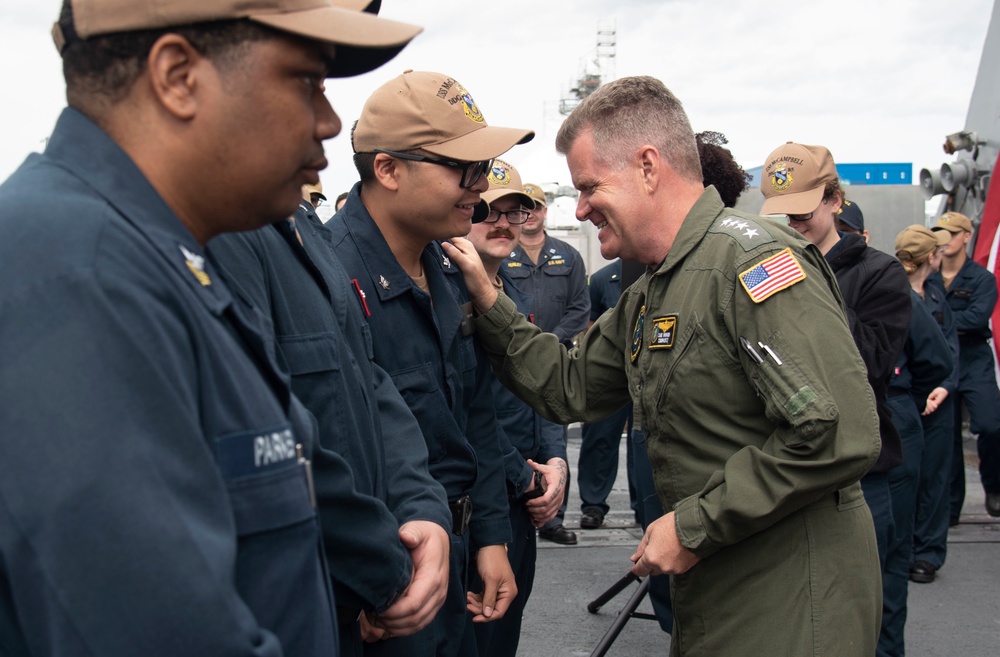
(662, 332)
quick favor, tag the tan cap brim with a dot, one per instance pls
(364, 41)
(949, 229)
(483, 144)
(798, 203)
(495, 194)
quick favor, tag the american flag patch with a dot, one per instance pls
(778, 272)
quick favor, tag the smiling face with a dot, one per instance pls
(495, 241)
(819, 226)
(609, 199)
(436, 206)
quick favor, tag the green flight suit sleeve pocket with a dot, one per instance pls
(791, 397)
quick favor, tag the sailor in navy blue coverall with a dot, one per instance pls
(155, 490)
(972, 295)
(435, 365)
(555, 275)
(923, 364)
(930, 523)
(289, 271)
(159, 481)
(422, 150)
(535, 455)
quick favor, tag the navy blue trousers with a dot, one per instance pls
(597, 468)
(875, 486)
(903, 491)
(450, 634)
(930, 523)
(500, 638)
(648, 508)
(978, 391)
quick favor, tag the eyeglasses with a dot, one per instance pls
(801, 217)
(514, 217)
(471, 171)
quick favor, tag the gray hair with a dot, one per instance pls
(627, 113)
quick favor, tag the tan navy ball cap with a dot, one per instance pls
(363, 40)
(916, 241)
(506, 181)
(954, 222)
(535, 192)
(434, 113)
(315, 189)
(794, 177)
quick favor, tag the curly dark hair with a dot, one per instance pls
(719, 168)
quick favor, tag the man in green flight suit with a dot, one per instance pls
(735, 352)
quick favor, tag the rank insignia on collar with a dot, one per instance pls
(663, 331)
(637, 335)
(446, 261)
(383, 282)
(196, 265)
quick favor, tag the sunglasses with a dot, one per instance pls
(471, 171)
(801, 217)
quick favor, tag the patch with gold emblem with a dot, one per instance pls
(469, 105)
(637, 335)
(499, 175)
(781, 178)
(662, 334)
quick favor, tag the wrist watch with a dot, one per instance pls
(538, 490)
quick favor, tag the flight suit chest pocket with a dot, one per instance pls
(685, 354)
(267, 479)
(307, 354)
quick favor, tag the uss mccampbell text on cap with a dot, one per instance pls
(794, 178)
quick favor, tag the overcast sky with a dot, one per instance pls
(880, 81)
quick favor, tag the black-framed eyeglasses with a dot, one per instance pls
(471, 171)
(801, 217)
(514, 217)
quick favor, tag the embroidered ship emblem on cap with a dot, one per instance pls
(781, 180)
(469, 105)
